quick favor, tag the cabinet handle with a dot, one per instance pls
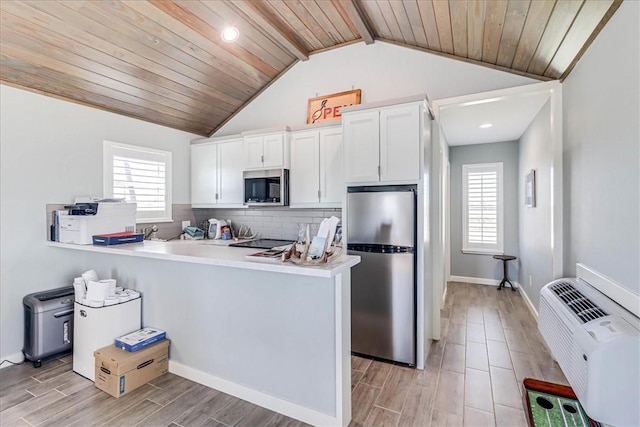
(378, 170)
(216, 196)
(262, 159)
(319, 195)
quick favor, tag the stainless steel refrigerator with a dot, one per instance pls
(381, 229)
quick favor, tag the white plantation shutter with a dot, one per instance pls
(482, 208)
(140, 175)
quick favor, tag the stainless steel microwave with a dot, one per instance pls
(266, 187)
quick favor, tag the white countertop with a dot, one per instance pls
(212, 253)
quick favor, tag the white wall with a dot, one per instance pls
(535, 224)
(51, 152)
(602, 153)
(382, 70)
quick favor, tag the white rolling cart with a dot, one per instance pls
(97, 327)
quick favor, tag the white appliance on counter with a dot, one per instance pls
(596, 343)
(110, 217)
(97, 327)
(217, 228)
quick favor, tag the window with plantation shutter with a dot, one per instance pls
(141, 175)
(482, 208)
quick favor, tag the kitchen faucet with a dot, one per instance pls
(151, 234)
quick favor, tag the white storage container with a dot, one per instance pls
(97, 327)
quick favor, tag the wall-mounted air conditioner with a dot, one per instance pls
(596, 343)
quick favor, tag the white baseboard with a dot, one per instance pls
(530, 306)
(476, 280)
(259, 398)
(15, 358)
(444, 294)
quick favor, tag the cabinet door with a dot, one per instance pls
(400, 143)
(204, 178)
(253, 151)
(230, 165)
(305, 164)
(361, 146)
(331, 177)
(273, 151)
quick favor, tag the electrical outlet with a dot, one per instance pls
(186, 224)
(529, 280)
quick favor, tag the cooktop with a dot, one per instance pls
(262, 243)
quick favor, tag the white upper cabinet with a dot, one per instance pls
(204, 174)
(400, 143)
(331, 176)
(383, 144)
(253, 151)
(216, 173)
(273, 151)
(231, 165)
(361, 146)
(304, 177)
(267, 151)
(316, 168)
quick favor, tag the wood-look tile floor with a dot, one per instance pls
(54, 395)
(490, 343)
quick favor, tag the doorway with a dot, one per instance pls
(511, 112)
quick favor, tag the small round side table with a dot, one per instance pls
(505, 279)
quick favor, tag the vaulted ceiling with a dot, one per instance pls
(164, 61)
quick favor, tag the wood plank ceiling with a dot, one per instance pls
(164, 61)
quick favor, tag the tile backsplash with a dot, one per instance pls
(272, 223)
(173, 230)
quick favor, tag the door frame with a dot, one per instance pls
(554, 91)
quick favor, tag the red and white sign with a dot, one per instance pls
(327, 107)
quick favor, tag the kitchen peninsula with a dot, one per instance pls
(275, 334)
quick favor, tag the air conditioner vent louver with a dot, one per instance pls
(599, 357)
(582, 306)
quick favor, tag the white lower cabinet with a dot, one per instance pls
(316, 178)
(216, 173)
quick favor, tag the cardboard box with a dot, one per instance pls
(140, 339)
(119, 371)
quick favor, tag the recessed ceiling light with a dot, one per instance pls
(230, 34)
(485, 125)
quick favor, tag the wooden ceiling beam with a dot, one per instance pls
(355, 14)
(269, 23)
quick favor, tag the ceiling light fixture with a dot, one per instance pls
(485, 125)
(230, 34)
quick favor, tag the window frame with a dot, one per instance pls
(111, 148)
(483, 248)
